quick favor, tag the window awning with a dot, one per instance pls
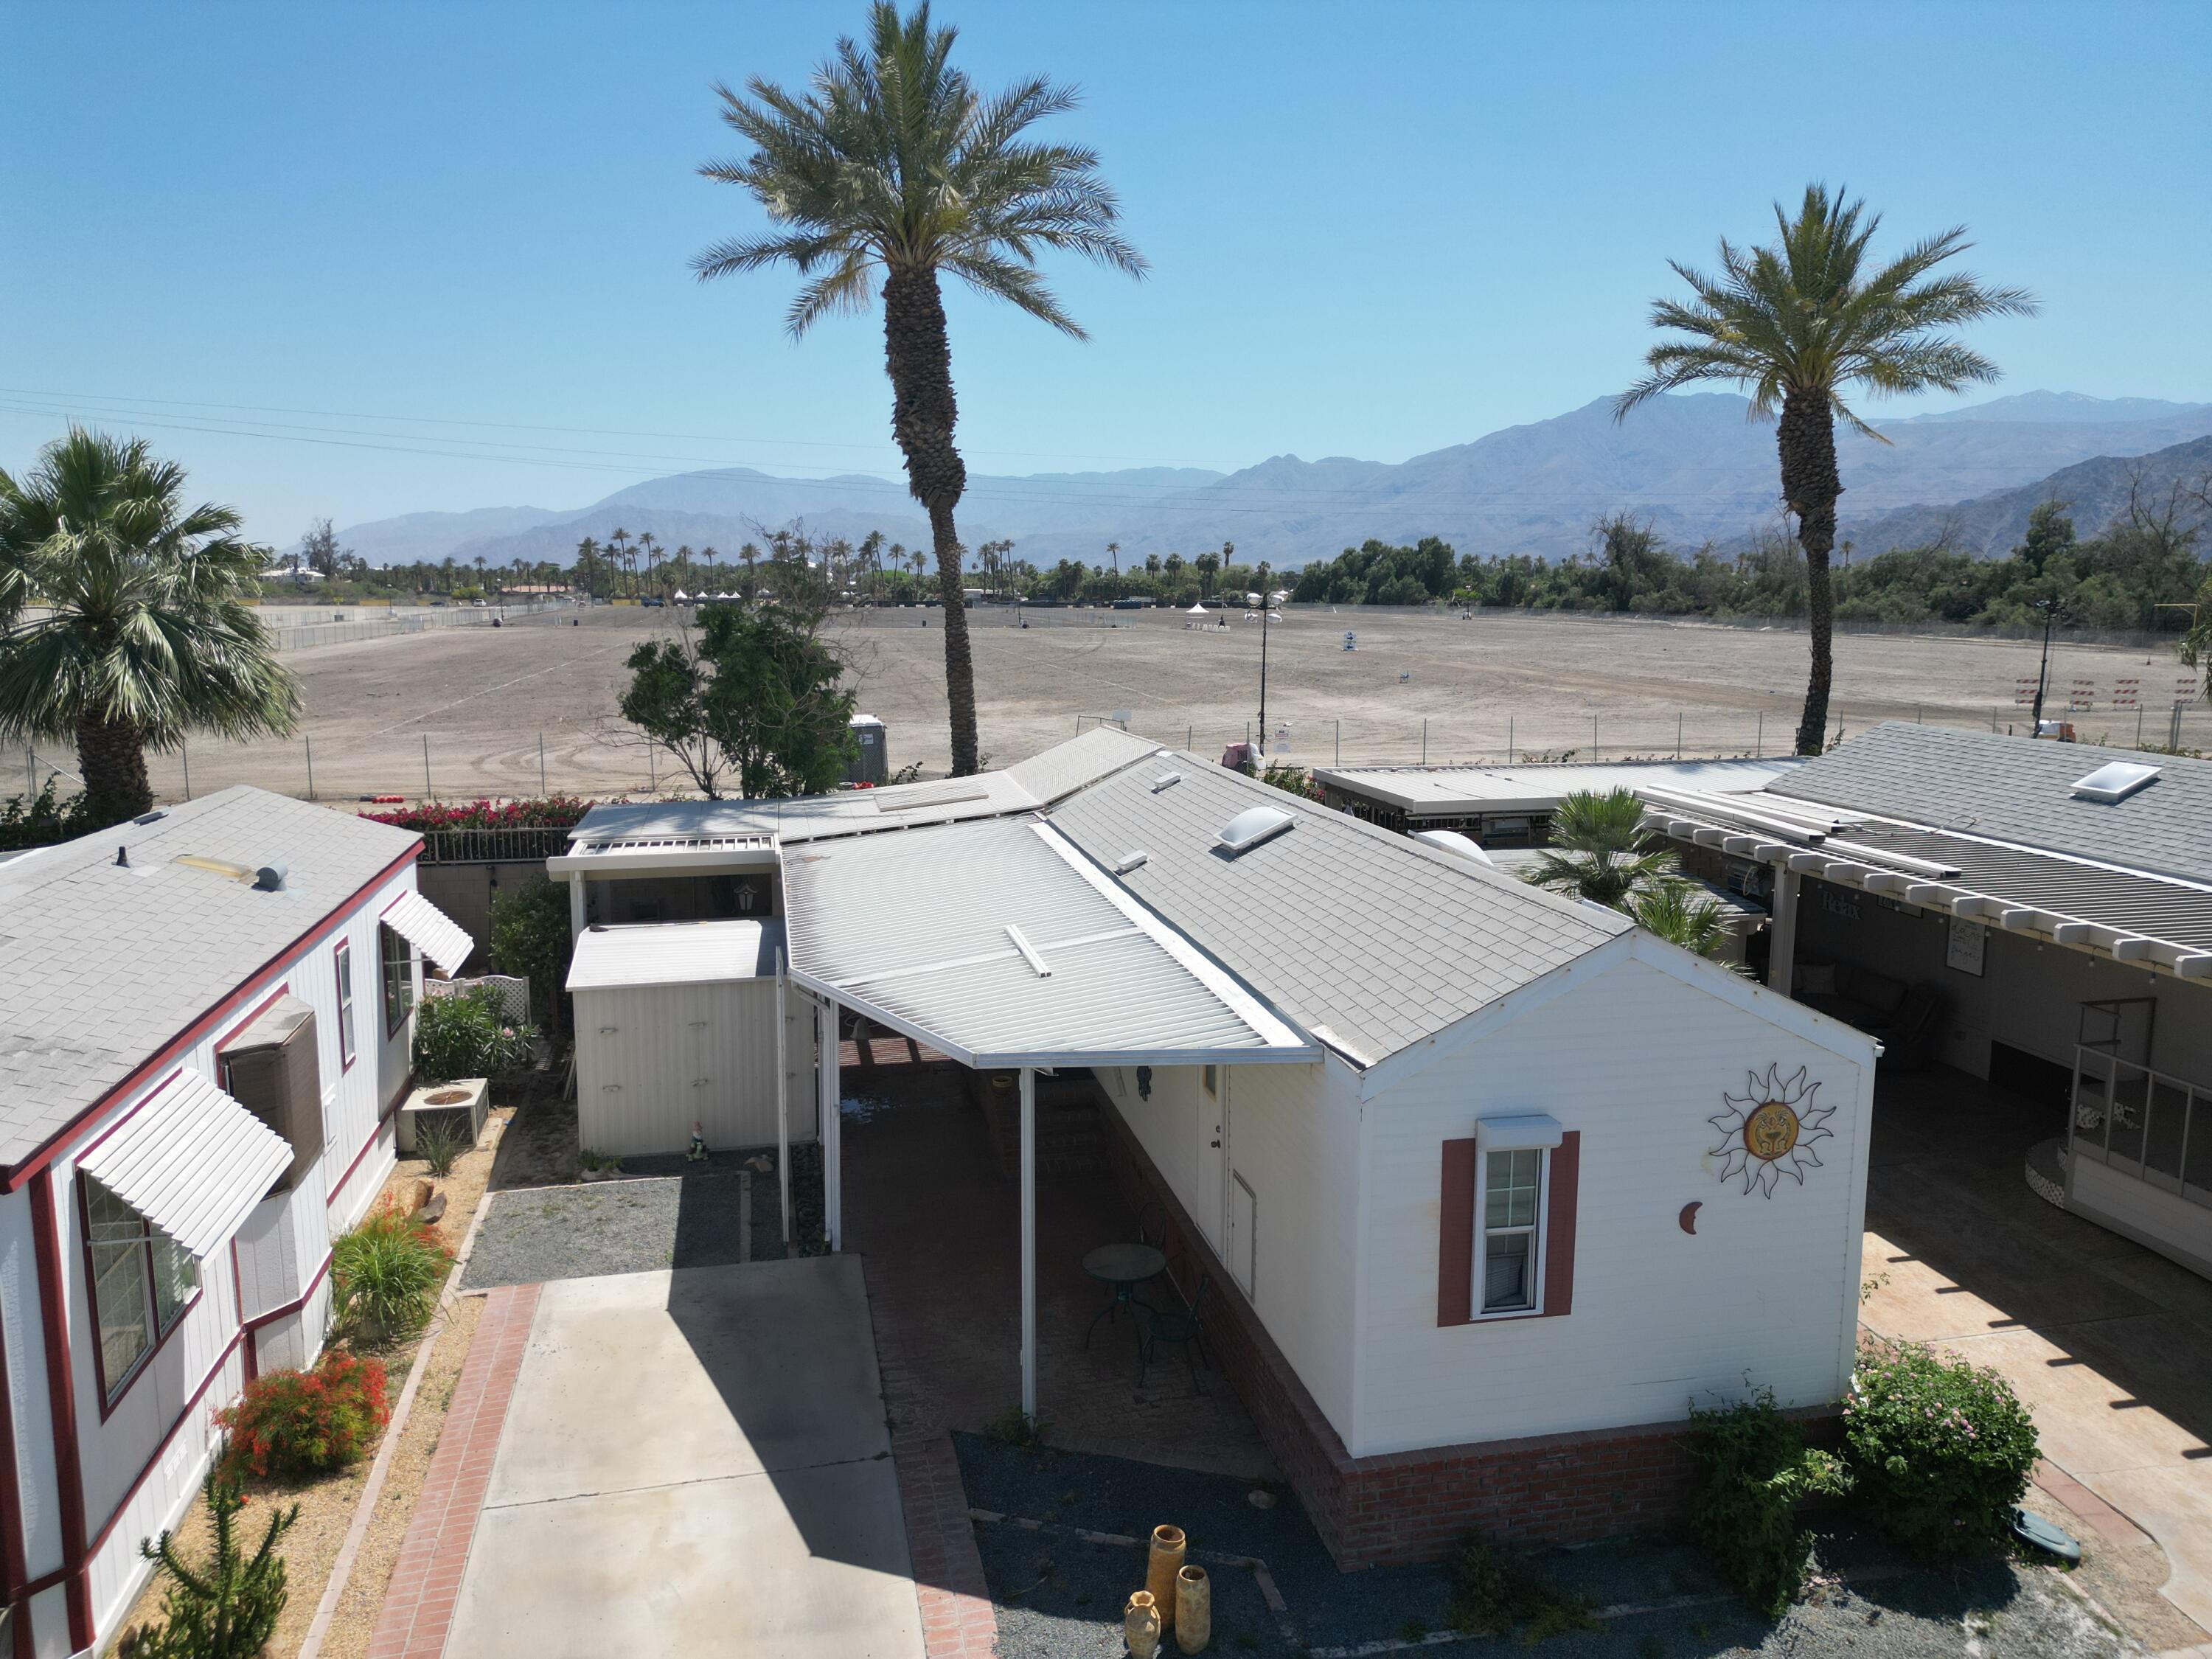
(430, 931)
(999, 944)
(191, 1160)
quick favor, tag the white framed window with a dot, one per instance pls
(345, 959)
(1509, 1230)
(141, 1281)
(398, 961)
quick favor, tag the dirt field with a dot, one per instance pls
(485, 700)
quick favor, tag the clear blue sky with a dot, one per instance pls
(1376, 229)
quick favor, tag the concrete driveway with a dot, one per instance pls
(695, 1461)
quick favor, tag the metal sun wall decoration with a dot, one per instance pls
(1768, 1131)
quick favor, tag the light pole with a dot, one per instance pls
(2052, 609)
(1263, 676)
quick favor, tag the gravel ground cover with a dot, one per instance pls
(662, 1212)
(1060, 1595)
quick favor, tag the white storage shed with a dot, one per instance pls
(676, 1025)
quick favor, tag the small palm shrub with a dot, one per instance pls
(289, 1424)
(441, 1140)
(226, 1608)
(1942, 1450)
(387, 1271)
(467, 1035)
(1757, 1468)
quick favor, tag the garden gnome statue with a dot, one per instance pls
(697, 1150)
(1140, 1626)
(1168, 1546)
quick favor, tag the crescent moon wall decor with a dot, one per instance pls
(1688, 1219)
(1768, 1131)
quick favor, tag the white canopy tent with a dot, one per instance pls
(1024, 955)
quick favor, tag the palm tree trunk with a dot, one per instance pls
(113, 756)
(918, 359)
(1810, 486)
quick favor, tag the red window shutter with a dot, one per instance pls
(1559, 1227)
(1455, 1237)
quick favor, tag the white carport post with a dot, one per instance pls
(832, 1131)
(1781, 957)
(1028, 1243)
(782, 1096)
(576, 905)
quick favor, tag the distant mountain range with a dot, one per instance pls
(1694, 464)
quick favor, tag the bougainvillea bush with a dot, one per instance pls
(289, 1424)
(1942, 1451)
(549, 812)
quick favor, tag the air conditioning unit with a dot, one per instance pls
(462, 1104)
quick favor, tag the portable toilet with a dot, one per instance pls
(872, 763)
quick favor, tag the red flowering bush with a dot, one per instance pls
(552, 812)
(291, 1424)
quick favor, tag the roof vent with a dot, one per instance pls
(269, 878)
(1166, 781)
(154, 817)
(2114, 783)
(1129, 862)
(1252, 826)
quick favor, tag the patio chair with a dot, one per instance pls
(1181, 1328)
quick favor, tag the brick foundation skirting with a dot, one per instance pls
(1411, 1506)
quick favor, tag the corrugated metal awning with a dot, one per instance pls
(191, 1160)
(430, 931)
(1001, 944)
(673, 953)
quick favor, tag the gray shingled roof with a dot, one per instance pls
(1370, 940)
(2019, 789)
(101, 966)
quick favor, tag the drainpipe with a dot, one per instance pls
(1028, 1243)
(782, 1098)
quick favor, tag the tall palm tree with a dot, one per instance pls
(1796, 325)
(1600, 849)
(894, 168)
(126, 616)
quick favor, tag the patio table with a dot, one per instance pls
(1124, 1266)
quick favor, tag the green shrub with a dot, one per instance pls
(467, 1035)
(227, 1609)
(42, 819)
(1942, 1450)
(439, 1140)
(1757, 1468)
(530, 937)
(387, 1271)
(289, 1424)
(1493, 1591)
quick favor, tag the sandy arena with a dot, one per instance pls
(486, 699)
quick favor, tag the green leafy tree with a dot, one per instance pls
(227, 1609)
(126, 616)
(891, 171)
(1799, 323)
(1600, 849)
(530, 938)
(753, 690)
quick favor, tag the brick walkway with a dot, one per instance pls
(418, 1602)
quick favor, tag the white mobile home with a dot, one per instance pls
(205, 1021)
(1490, 1185)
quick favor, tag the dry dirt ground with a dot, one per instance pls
(484, 700)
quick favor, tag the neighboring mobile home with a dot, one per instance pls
(205, 1022)
(1491, 1187)
(2033, 913)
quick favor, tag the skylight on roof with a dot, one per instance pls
(2114, 782)
(1252, 826)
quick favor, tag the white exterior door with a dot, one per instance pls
(1212, 1121)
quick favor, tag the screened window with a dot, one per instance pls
(141, 1283)
(1512, 1198)
(345, 1003)
(399, 958)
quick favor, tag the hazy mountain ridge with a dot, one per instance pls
(1693, 462)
